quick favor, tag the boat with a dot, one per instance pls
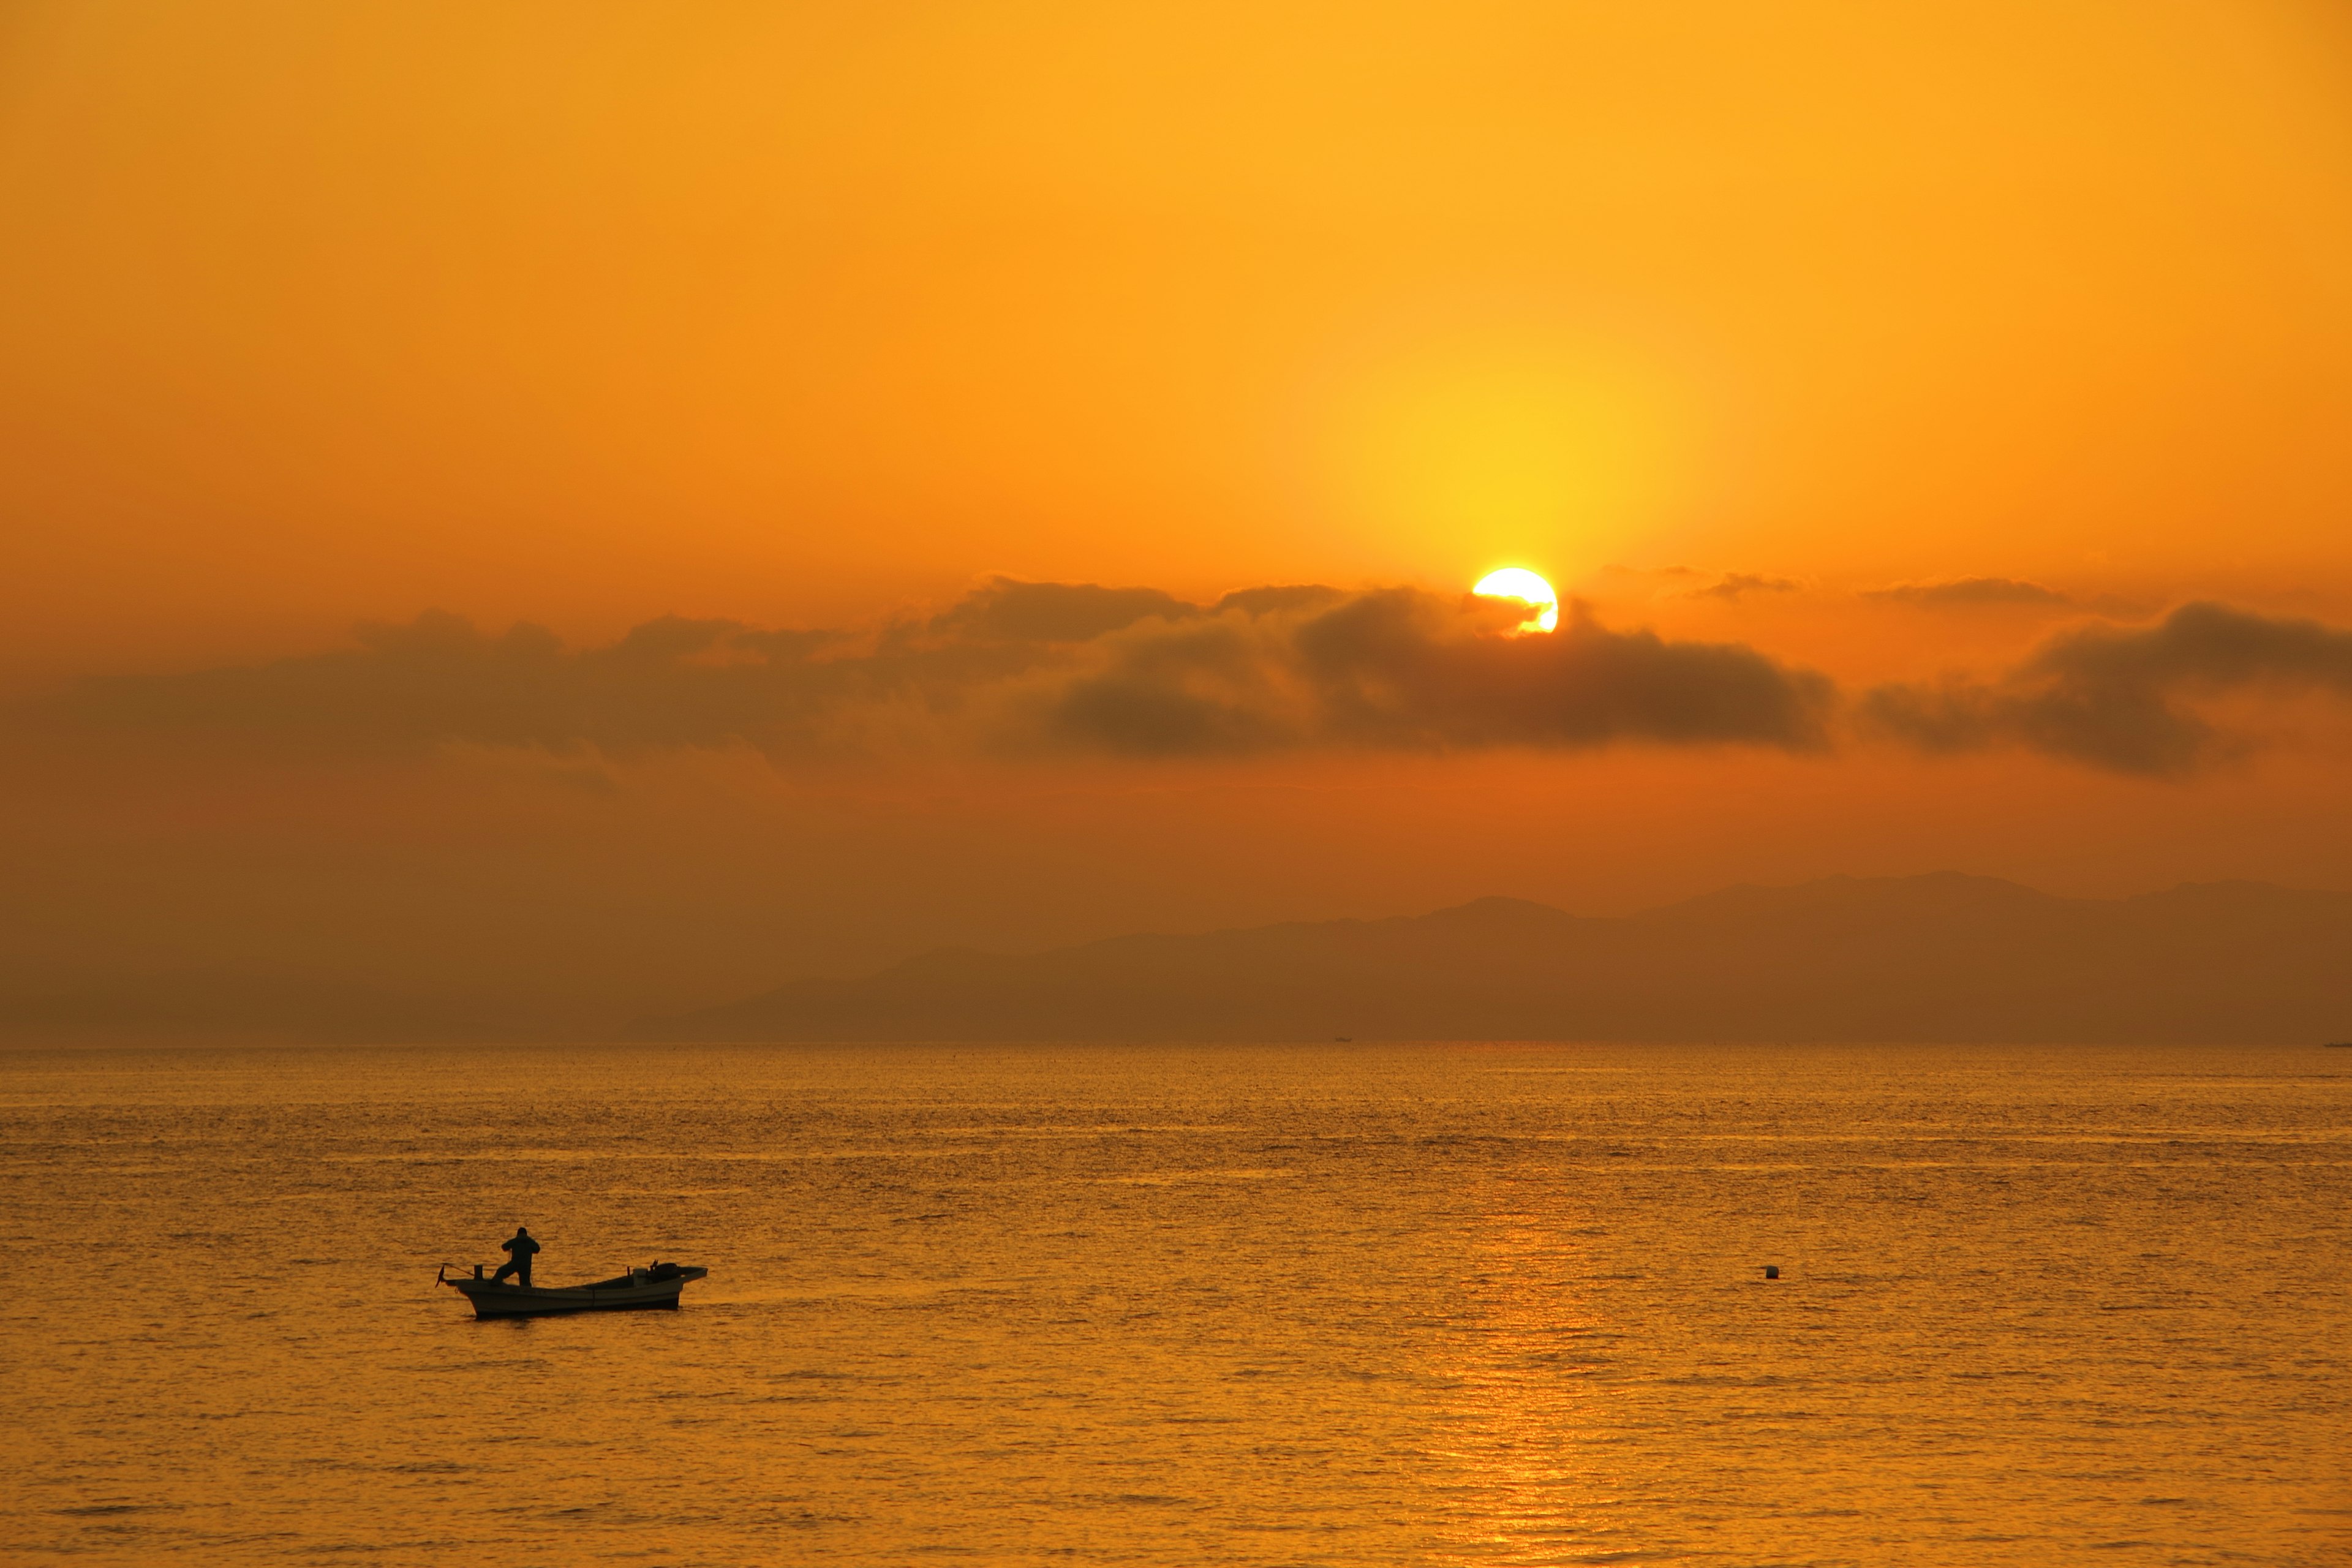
(658, 1286)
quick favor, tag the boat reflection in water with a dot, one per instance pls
(658, 1286)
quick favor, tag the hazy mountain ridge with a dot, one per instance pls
(1944, 957)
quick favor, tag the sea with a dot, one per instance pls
(1448, 1304)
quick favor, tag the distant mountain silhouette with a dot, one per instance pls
(1936, 958)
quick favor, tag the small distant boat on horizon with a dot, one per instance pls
(655, 1287)
(2339, 1044)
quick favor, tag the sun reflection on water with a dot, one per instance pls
(1522, 1428)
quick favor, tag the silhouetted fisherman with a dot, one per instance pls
(519, 1249)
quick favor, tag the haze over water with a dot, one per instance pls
(1448, 1304)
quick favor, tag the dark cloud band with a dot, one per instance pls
(2121, 698)
(1036, 668)
(1014, 667)
(1403, 669)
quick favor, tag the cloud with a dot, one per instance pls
(1960, 592)
(1736, 586)
(1276, 600)
(2116, 697)
(1009, 611)
(1016, 668)
(1047, 668)
(439, 679)
(1400, 668)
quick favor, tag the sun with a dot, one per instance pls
(1518, 582)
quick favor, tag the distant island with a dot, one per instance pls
(1940, 958)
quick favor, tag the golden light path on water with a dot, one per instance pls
(1448, 1304)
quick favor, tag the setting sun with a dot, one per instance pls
(1518, 582)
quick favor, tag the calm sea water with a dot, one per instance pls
(1438, 1305)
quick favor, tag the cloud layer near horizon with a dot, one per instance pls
(2118, 698)
(1014, 667)
(1044, 668)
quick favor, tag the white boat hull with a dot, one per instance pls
(504, 1300)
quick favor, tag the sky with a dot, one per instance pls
(562, 511)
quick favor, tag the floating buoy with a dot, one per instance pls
(1772, 1271)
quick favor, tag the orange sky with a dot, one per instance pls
(1727, 317)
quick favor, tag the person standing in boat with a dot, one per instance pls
(519, 1249)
